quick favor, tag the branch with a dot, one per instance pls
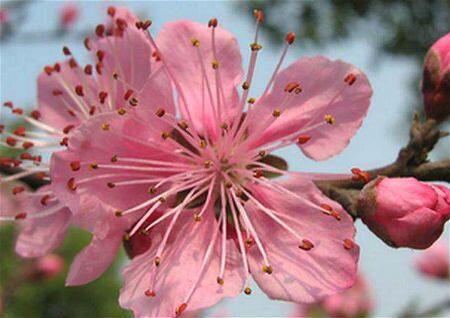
(411, 162)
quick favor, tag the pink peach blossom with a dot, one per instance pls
(193, 175)
(434, 262)
(355, 302)
(405, 212)
(68, 95)
(68, 15)
(436, 79)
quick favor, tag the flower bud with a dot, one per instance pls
(404, 212)
(68, 15)
(434, 262)
(46, 267)
(436, 80)
(356, 301)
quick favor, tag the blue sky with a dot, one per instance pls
(377, 143)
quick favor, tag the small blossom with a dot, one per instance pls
(48, 266)
(436, 80)
(356, 302)
(434, 261)
(405, 212)
(68, 15)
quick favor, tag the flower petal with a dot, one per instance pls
(179, 269)
(182, 58)
(39, 236)
(325, 91)
(94, 259)
(302, 275)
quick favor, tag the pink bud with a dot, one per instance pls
(405, 212)
(436, 80)
(356, 301)
(434, 262)
(4, 16)
(47, 267)
(68, 15)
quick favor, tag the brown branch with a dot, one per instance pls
(411, 162)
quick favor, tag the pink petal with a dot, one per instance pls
(179, 270)
(174, 41)
(126, 137)
(300, 275)
(95, 259)
(130, 57)
(39, 236)
(324, 92)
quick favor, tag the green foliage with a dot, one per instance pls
(48, 297)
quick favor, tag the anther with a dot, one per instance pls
(66, 51)
(151, 190)
(92, 110)
(48, 70)
(18, 111)
(348, 244)
(259, 15)
(291, 87)
(100, 55)
(149, 293)
(11, 141)
(160, 112)
(121, 111)
(18, 189)
(306, 245)
(64, 141)
(68, 128)
(251, 100)
(203, 143)
(224, 126)
(247, 290)
(73, 63)
(267, 269)
(75, 165)
(88, 69)
(102, 96)
(195, 42)
(45, 199)
(276, 113)
(258, 173)
(228, 185)
(255, 47)
(126, 237)
(98, 68)
(162, 199)
(114, 158)
(207, 164)
(215, 64)
(329, 119)
(35, 114)
(303, 139)
(93, 166)
(350, 79)
(183, 125)
(360, 175)
(290, 38)
(105, 126)
(121, 24)
(133, 101)
(128, 94)
(111, 11)
(111, 185)
(197, 217)
(100, 30)
(87, 44)
(115, 76)
(20, 216)
(79, 90)
(165, 135)
(157, 261)
(27, 145)
(180, 309)
(26, 156)
(118, 213)
(19, 131)
(71, 184)
(212, 23)
(245, 85)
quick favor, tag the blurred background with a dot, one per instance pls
(386, 39)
